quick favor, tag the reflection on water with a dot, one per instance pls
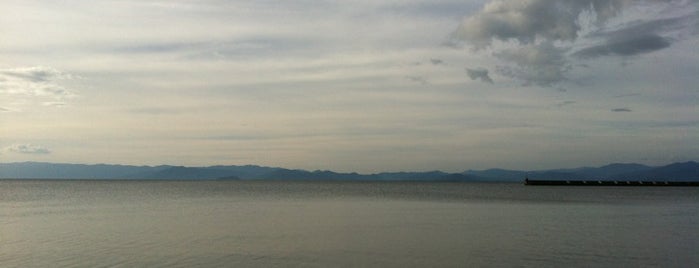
(345, 224)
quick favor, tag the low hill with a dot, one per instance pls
(687, 171)
(34, 170)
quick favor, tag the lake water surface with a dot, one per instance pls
(343, 224)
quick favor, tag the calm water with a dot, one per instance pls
(343, 224)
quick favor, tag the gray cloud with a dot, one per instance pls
(621, 110)
(526, 21)
(418, 79)
(627, 95)
(626, 46)
(479, 73)
(680, 22)
(565, 103)
(640, 37)
(27, 149)
(541, 64)
(541, 39)
(436, 61)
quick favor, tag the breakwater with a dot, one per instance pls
(609, 183)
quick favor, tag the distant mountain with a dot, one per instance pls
(185, 173)
(608, 171)
(422, 176)
(497, 174)
(35, 170)
(676, 172)
(297, 174)
(617, 171)
(286, 174)
(687, 171)
(38, 170)
(592, 173)
(247, 171)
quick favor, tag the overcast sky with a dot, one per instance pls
(364, 86)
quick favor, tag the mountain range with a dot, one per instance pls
(687, 171)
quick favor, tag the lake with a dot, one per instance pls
(80, 223)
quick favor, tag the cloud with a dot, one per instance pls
(626, 46)
(525, 21)
(627, 95)
(34, 74)
(479, 73)
(418, 79)
(640, 37)
(38, 83)
(539, 41)
(565, 103)
(438, 9)
(436, 61)
(541, 64)
(222, 48)
(54, 104)
(616, 110)
(27, 149)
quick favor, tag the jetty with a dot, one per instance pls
(530, 182)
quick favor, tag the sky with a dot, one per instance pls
(365, 86)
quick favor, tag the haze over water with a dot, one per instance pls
(343, 224)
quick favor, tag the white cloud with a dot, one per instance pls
(27, 149)
(34, 74)
(54, 103)
(32, 85)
